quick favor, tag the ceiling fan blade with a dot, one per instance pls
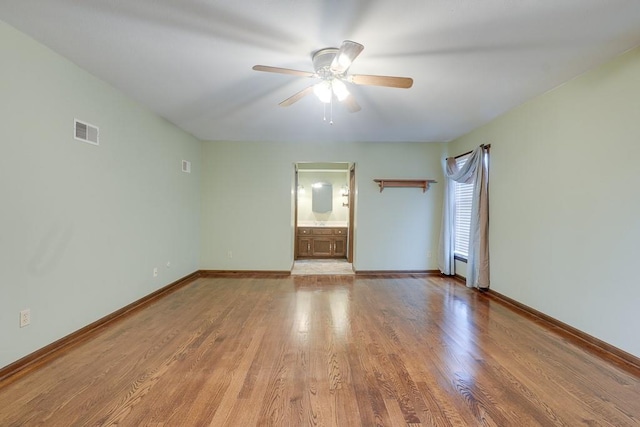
(296, 96)
(283, 71)
(345, 56)
(351, 104)
(387, 81)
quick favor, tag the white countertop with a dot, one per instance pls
(322, 224)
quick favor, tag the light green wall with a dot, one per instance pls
(247, 203)
(565, 211)
(82, 227)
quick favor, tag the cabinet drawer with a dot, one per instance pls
(340, 231)
(304, 231)
(321, 231)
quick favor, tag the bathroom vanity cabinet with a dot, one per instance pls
(321, 242)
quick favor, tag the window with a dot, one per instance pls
(462, 218)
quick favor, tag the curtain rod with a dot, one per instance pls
(486, 147)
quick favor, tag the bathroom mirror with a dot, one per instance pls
(321, 197)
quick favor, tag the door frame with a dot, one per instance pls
(295, 214)
(352, 206)
(352, 210)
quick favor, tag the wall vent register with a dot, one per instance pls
(85, 132)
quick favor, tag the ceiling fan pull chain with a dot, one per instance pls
(324, 111)
(331, 109)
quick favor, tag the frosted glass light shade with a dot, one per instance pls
(323, 91)
(339, 89)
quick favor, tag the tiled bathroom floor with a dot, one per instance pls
(321, 266)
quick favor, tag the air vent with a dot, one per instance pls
(85, 132)
(186, 166)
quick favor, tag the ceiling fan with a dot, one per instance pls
(331, 66)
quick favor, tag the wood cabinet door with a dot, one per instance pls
(340, 246)
(322, 246)
(304, 246)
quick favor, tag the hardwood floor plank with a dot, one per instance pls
(326, 351)
(382, 348)
(369, 402)
(553, 372)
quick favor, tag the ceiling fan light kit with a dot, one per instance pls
(323, 91)
(339, 89)
(326, 89)
(331, 66)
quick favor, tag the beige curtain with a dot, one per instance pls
(474, 171)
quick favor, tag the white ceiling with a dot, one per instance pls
(471, 60)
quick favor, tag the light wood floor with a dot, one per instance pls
(325, 350)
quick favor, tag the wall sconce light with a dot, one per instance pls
(345, 193)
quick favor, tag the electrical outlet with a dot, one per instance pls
(168, 264)
(155, 272)
(25, 317)
(230, 254)
(429, 254)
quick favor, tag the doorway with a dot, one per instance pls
(324, 217)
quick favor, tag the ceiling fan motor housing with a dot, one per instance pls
(322, 60)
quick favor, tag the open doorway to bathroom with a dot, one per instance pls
(324, 218)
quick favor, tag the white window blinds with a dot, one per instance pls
(462, 218)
